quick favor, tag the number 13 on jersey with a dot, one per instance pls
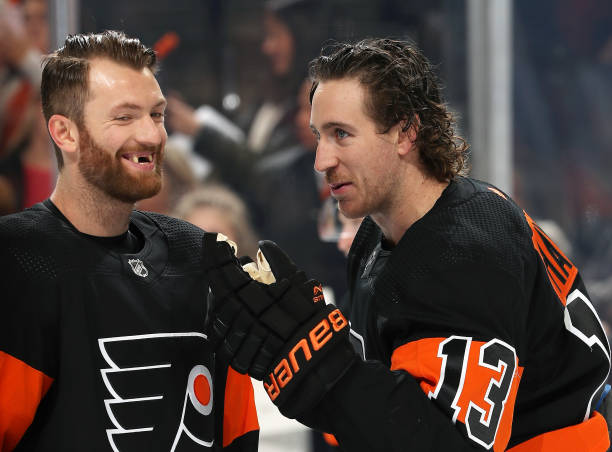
(474, 383)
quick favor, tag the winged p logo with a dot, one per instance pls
(161, 392)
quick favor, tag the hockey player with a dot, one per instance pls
(102, 307)
(470, 329)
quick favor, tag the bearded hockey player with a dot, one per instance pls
(102, 345)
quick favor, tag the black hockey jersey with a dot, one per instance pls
(103, 350)
(477, 334)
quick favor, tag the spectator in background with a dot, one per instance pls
(285, 194)
(266, 127)
(290, 41)
(26, 162)
(290, 195)
(217, 208)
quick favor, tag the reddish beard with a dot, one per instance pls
(105, 170)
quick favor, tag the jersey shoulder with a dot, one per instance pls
(476, 225)
(472, 225)
(184, 240)
(34, 243)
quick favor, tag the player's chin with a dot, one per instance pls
(150, 188)
(142, 188)
(351, 208)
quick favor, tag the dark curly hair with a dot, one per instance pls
(401, 86)
(64, 87)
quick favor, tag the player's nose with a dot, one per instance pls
(325, 158)
(151, 133)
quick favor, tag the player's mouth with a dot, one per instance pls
(140, 160)
(339, 188)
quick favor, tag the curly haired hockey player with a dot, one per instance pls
(470, 329)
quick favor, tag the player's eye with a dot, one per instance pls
(341, 134)
(159, 115)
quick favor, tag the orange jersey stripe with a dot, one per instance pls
(21, 390)
(588, 436)
(561, 271)
(330, 439)
(239, 414)
(423, 361)
(497, 192)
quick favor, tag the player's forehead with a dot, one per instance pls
(338, 101)
(112, 84)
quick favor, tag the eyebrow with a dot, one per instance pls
(132, 106)
(334, 124)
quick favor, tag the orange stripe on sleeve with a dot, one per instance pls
(420, 359)
(588, 436)
(330, 439)
(21, 390)
(239, 414)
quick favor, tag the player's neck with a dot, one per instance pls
(90, 210)
(410, 203)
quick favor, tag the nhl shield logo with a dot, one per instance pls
(138, 267)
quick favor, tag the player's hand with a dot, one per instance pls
(228, 320)
(314, 349)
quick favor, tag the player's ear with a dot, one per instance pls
(64, 133)
(407, 133)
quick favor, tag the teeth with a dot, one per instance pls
(148, 158)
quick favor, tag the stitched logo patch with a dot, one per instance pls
(138, 267)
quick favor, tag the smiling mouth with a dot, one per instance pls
(139, 158)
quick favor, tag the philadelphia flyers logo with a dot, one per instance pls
(160, 389)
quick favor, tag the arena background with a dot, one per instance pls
(530, 82)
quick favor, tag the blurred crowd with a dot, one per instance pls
(250, 175)
(27, 165)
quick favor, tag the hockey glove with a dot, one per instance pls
(228, 320)
(304, 342)
(318, 353)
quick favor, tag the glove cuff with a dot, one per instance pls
(313, 360)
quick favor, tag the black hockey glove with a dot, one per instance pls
(227, 319)
(303, 343)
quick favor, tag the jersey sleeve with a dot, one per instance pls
(439, 393)
(473, 382)
(27, 343)
(375, 409)
(22, 387)
(240, 425)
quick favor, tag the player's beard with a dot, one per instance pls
(105, 171)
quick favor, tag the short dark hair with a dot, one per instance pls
(401, 86)
(64, 87)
